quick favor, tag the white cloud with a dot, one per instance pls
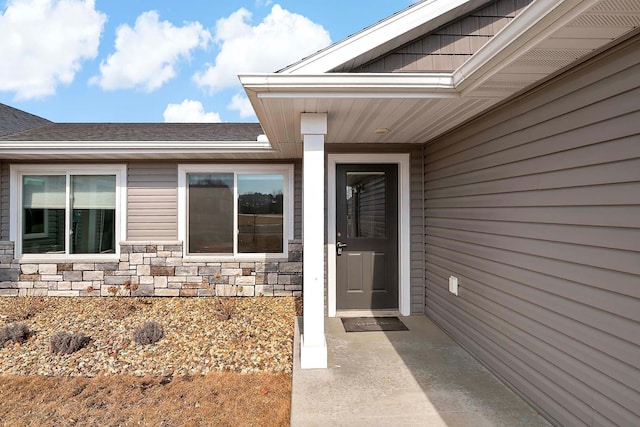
(279, 40)
(147, 54)
(189, 112)
(242, 105)
(44, 43)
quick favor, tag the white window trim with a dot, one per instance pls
(288, 209)
(15, 203)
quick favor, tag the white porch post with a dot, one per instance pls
(313, 350)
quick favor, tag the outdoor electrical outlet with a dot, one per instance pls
(453, 285)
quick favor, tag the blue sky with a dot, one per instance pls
(160, 60)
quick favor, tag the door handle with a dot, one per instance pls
(339, 247)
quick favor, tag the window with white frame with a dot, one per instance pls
(239, 210)
(66, 210)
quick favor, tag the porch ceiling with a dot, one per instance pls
(546, 37)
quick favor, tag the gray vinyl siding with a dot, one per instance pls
(535, 207)
(448, 47)
(297, 200)
(4, 201)
(417, 211)
(152, 201)
(417, 231)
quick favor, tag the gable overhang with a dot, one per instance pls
(547, 37)
(386, 35)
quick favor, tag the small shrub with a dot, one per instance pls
(148, 333)
(226, 308)
(225, 304)
(16, 332)
(67, 342)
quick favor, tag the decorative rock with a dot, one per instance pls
(9, 275)
(72, 275)
(162, 271)
(272, 278)
(245, 280)
(156, 267)
(231, 271)
(106, 266)
(65, 267)
(29, 268)
(48, 269)
(160, 282)
(167, 292)
(92, 275)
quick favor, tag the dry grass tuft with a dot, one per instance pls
(148, 333)
(226, 308)
(220, 399)
(16, 332)
(67, 342)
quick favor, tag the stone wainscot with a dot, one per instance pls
(152, 269)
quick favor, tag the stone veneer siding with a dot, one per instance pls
(155, 269)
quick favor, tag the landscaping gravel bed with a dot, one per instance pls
(201, 335)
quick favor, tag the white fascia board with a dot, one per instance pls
(378, 34)
(533, 25)
(9, 148)
(347, 85)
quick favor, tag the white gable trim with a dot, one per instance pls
(398, 28)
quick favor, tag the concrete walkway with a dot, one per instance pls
(418, 377)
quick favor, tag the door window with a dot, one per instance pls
(366, 204)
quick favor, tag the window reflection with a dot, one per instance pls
(210, 215)
(43, 214)
(93, 222)
(92, 214)
(366, 203)
(260, 213)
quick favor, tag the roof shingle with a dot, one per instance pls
(13, 120)
(138, 132)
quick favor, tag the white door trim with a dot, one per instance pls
(404, 218)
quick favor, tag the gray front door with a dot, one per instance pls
(367, 223)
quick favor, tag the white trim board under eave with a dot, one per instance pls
(404, 222)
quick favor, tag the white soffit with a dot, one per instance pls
(548, 36)
(386, 35)
(545, 37)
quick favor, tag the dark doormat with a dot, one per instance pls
(372, 324)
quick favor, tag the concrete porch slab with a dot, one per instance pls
(419, 377)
